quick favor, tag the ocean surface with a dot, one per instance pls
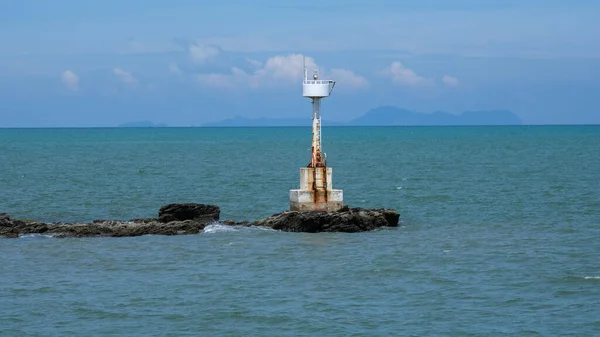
(499, 235)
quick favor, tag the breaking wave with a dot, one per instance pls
(30, 236)
(218, 228)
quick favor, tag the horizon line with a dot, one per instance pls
(279, 126)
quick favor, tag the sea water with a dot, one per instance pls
(499, 233)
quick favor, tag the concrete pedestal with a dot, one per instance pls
(316, 191)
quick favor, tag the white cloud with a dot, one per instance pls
(450, 81)
(201, 53)
(401, 75)
(124, 76)
(70, 80)
(276, 71)
(347, 78)
(288, 67)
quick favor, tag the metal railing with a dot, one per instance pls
(317, 82)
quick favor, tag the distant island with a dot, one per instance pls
(388, 116)
(142, 124)
(380, 116)
(249, 122)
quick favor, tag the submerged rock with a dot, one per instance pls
(348, 220)
(179, 219)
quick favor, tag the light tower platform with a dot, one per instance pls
(316, 191)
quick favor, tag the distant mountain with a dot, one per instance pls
(245, 122)
(390, 115)
(142, 124)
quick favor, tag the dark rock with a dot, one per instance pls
(175, 219)
(167, 218)
(143, 220)
(121, 229)
(347, 220)
(234, 223)
(10, 234)
(5, 220)
(391, 216)
(193, 218)
(190, 211)
(33, 228)
(7, 227)
(113, 222)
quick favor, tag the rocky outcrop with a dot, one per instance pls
(349, 220)
(12, 228)
(5, 220)
(178, 219)
(173, 219)
(107, 228)
(120, 229)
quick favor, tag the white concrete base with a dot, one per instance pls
(316, 192)
(302, 200)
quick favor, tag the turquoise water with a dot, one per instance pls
(499, 233)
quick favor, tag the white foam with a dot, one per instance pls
(399, 187)
(261, 228)
(218, 228)
(29, 236)
(592, 277)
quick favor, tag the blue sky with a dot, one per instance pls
(102, 63)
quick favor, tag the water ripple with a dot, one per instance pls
(498, 234)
